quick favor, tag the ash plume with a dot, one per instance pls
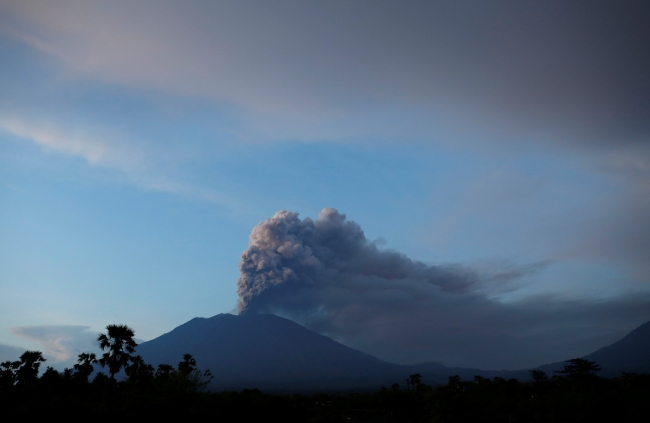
(326, 275)
(290, 262)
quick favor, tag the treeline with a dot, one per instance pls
(71, 392)
(574, 394)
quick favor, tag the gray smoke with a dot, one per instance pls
(326, 275)
(289, 262)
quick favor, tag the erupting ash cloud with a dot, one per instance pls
(326, 275)
(290, 262)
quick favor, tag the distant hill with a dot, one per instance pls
(630, 354)
(275, 354)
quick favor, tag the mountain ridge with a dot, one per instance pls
(266, 351)
(273, 353)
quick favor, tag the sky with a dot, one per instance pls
(460, 182)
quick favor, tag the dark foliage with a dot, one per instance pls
(84, 366)
(119, 342)
(574, 394)
(580, 369)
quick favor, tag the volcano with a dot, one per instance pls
(268, 352)
(272, 353)
(630, 354)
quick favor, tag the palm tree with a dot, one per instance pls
(188, 365)
(84, 366)
(120, 345)
(189, 378)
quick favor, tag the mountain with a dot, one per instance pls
(275, 354)
(268, 352)
(630, 354)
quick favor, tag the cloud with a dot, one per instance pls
(474, 75)
(61, 342)
(325, 274)
(286, 253)
(478, 75)
(133, 163)
(552, 71)
(52, 137)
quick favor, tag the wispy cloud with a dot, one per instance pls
(60, 342)
(52, 137)
(135, 164)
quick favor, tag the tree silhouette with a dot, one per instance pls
(580, 369)
(415, 381)
(27, 372)
(538, 376)
(164, 371)
(120, 345)
(190, 378)
(84, 366)
(455, 384)
(138, 370)
(188, 365)
(50, 377)
(8, 373)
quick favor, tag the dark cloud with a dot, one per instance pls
(60, 342)
(325, 274)
(474, 331)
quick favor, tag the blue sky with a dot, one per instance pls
(140, 144)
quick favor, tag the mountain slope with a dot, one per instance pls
(630, 354)
(267, 351)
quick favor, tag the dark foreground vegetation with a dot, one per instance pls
(575, 394)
